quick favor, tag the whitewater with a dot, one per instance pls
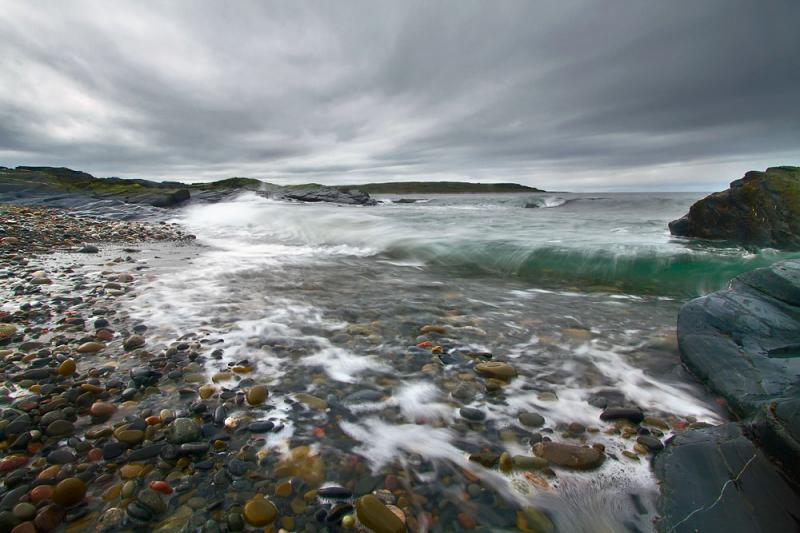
(578, 292)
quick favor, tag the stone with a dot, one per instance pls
(631, 414)
(651, 443)
(184, 430)
(102, 409)
(130, 436)
(441, 330)
(133, 342)
(49, 517)
(523, 462)
(470, 413)
(256, 394)
(152, 500)
(569, 456)
(485, 458)
(24, 511)
(311, 401)
(60, 428)
(496, 369)
(206, 391)
(533, 420)
(260, 512)
(90, 347)
(67, 367)
(375, 515)
(7, 330)
(69, 492)
(88, 249)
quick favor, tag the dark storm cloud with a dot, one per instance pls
(623, 94)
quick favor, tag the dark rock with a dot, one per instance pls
(744, 343)
(531, 419)
(330, 194)
(470, 413)
(715, 479)
(61, 456)
(334, 492)
(88, 249)
(632, 414)
(651, 443)
(761, 209)
(260, 426)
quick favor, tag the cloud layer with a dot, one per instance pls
(565, 95)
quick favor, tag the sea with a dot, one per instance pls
(579, 293)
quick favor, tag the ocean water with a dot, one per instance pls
(579, 292)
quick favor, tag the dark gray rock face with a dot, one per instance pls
(332, 195)
(744, 343)
(715, 479)
(761, 209)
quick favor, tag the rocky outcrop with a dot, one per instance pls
(744, 344)
(63, 187)
(716, 479)
(330, 194)
(761, 209)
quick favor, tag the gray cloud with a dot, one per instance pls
(564, 95)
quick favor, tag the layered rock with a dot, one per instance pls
(744, 344)
(761, 209)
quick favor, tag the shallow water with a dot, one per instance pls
(579, 294)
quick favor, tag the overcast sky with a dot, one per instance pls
(578, 95)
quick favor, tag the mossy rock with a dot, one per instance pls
(762, 209)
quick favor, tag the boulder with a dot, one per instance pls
(715, 479)
(761, 209)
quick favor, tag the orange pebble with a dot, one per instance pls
(40, 493)
(425, 344)
(153, 420)
(95, 454)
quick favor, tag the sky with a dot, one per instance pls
(563, 95)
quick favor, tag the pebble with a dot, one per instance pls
(102, 409)
(133, 342)
(67, 367)
(69, 492)
(311, 401)
(496, 369)
(531, 419)
(651, 443)
(378, 517)
(569, 456)
(257, 394)
(24, 511)
(470, 413)
(184, 430)
(631, 414)
(524, 462)
(260, 512)
(60, 428)
(90, 347)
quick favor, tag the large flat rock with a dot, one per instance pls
(744, 343)
(716, 479)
